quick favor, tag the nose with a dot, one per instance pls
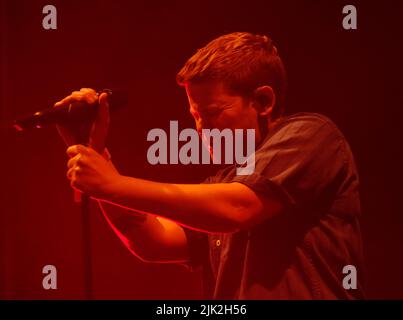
(199, 124)
(202, 124)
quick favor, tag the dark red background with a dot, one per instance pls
(354, 77)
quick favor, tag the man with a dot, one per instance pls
(286, 231)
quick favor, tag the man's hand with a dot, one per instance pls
(98, 129)
(86, 176)
(91, 173)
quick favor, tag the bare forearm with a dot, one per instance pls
(211, 208)
(218, 207)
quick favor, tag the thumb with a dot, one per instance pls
(99, 129)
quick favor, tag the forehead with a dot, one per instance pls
(206, 93)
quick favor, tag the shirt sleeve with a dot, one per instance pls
(302, 164)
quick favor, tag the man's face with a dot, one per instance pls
(213, 106)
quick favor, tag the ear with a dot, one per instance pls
(265, 100)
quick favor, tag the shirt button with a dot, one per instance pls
(218, 243)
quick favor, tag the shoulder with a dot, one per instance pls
(303, 127)
(307, 121)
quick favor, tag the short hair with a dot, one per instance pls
(243, 62)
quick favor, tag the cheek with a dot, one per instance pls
(250, 117)
(224, 121)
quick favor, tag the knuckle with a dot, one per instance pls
(80, 161)
(78, 149)
(77, 171)
(87, 150)
(81, 151)
(77, 96)
(90, 97)
(88, 90)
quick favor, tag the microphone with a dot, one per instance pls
(74, 112)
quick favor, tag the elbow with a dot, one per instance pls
(232, 220)
(244, 214)
(221, 220)
(242, 218)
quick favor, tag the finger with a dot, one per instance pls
(75, 96)
(74, 182)
(88, 90)
(64, 102)
(78, 96)
(72, 151)
(76, 160)
(99, 130)
(89, 95)
(70, 173)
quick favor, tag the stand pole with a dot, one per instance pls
(87, 252)
(84, 200)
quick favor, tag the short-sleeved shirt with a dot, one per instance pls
(306, 163)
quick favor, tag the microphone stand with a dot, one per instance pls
(49, 116)
(87, 252)
(84, 200)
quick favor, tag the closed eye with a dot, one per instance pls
(214, 111)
